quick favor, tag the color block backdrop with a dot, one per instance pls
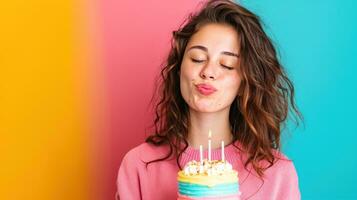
(77, 77)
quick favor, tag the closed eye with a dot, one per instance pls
(229, 68)
(196, 61)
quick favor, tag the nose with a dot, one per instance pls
(208, 72)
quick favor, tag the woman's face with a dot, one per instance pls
(209, 77)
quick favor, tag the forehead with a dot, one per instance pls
(216, 37)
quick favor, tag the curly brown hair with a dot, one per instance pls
(265, 94)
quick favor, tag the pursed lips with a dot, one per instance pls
(206, 89)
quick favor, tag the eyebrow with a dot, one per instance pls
(203, 48)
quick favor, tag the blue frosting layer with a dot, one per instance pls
(196, 190)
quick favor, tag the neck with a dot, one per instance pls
(201, 123)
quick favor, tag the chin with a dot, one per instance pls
(205, 109)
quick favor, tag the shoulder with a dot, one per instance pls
(145, 152)
(282, 160)
(283, 167)
(283, 176)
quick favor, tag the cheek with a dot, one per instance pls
(188, 72)
(232, 84)
(186, 77)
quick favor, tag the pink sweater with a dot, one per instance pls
(158, 181)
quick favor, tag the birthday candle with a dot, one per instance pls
(201, 155)
(222, 147)
(209, 145)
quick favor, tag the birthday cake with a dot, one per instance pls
(208, 180)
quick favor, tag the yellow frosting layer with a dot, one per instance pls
(212, 180)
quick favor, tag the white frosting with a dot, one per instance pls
(215, 167)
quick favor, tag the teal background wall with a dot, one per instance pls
(317, 44)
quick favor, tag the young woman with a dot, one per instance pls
(223, 75)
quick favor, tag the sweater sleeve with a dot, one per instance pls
(128, 182)
(289, 185)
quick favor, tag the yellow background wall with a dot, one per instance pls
(43, 145)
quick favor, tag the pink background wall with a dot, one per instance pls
(136, 39)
